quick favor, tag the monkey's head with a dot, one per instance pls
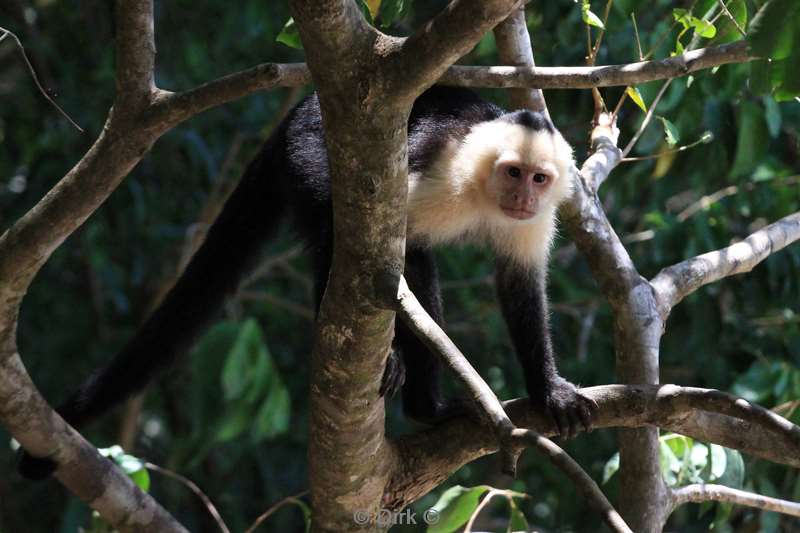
(528, 164)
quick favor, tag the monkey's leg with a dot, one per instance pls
(422, 396)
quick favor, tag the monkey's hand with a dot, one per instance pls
(568, 408)
(394, 375)
(34, 468)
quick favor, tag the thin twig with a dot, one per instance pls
(266, 514)
(579, 477)
(701, 140)
(271, 262)
(647, 118)
(598, 42)
(191, 485)
(636, 34)
(704, 492)
(481, 506)
(708, 200)
(731, 17)
(263, 296)
(6, 33)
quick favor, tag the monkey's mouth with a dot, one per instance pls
(519, 214)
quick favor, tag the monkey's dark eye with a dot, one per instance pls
(514, 172)
(539, 178)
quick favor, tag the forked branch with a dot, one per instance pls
(510, 440)
(676, 282)
(705, 414)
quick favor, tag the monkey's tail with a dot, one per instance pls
(251, 216)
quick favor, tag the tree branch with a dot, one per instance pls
(174, 108)
(427, 458)
(601, 76)
(192, 486)
(579, 477)
(509, 439)
(29, 243)
(704, 492)
(514, 48)
(424, 56)
(420, 322)
(676, 282)
(136, 50)
(91, 477)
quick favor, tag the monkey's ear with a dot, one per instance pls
(34, 468)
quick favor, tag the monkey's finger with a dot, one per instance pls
(574, 422)
(586, 415)
(593, 405)
(562, 422)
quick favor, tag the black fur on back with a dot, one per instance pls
(442, 114)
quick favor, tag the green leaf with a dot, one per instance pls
(704, 28)
(141, 478)
(610, 468)
(671, 132)
(719, 461)
(670, 464)
(392, 10)
(698, 460)
(682, 17)
(238, 419)
(244, 355)
(455, 507)
(374, 7)
(636, 96)
(273, 417)
(290, 35)
(131, 465)
(727, 31)
(767, 28)
(517, 520)
(366, 11)
(734, 469)
(589, 17)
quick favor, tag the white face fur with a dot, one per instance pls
(501, 184)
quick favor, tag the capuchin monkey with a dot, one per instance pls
(476, 174)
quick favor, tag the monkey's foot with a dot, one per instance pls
(34, 468)
(568, 408)
(394, 375)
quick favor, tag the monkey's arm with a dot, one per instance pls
(522, 294)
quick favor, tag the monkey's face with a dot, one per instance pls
(521, 189)
(529, 170)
